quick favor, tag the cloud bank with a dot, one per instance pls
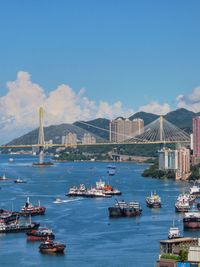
(19, 107)
(190, 101)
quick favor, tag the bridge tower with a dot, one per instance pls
(161, 128)
(41, 141)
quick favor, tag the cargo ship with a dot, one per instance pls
(125, 209)
(50, 246)
(153, 201)
(15, 227)
(41, 234)
(28, 209)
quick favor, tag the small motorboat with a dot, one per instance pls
(19, 181)
(10, 160)
(50, 246)
(59, 201)
(174, 232)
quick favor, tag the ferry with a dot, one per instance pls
(50, 246)
(153, 201)
(125, 209)
(28, 209)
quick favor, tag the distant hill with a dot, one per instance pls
(98, 123)
(147, 117)
(182, 118)
(54, 132)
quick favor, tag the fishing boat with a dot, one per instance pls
(50, 246)
(41, 234)
(28, 209)
(125, 209)
(153, 201)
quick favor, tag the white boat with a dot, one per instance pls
(19, 181)
(174, 232)
(59, 201)
(10, 160)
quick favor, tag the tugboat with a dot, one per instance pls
(28, 209)
(41, 234)
(153, 201)
(15, 227)
(182, 203)
(50, 246)
(124, 209)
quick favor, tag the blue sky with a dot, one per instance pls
(133, 51)
(144, 54)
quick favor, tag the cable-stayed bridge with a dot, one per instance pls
(159, 131)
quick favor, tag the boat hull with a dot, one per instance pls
(40, 238)
(155, 205)
(191, 223)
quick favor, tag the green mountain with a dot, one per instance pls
(96, 128)
(147, 117)
(53, 132)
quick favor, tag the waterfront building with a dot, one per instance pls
(177, 160)
(122, 129)
(88, 139)
(196, 139)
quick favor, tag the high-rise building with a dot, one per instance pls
(177, 160)
(123, 129)
(88, 139)
(196, 137)
(71, 139)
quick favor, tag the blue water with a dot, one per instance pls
(92, 238)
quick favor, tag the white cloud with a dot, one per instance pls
(191, 101)
(156, 108)
(19, 107)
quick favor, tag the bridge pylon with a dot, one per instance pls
(41, 141)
